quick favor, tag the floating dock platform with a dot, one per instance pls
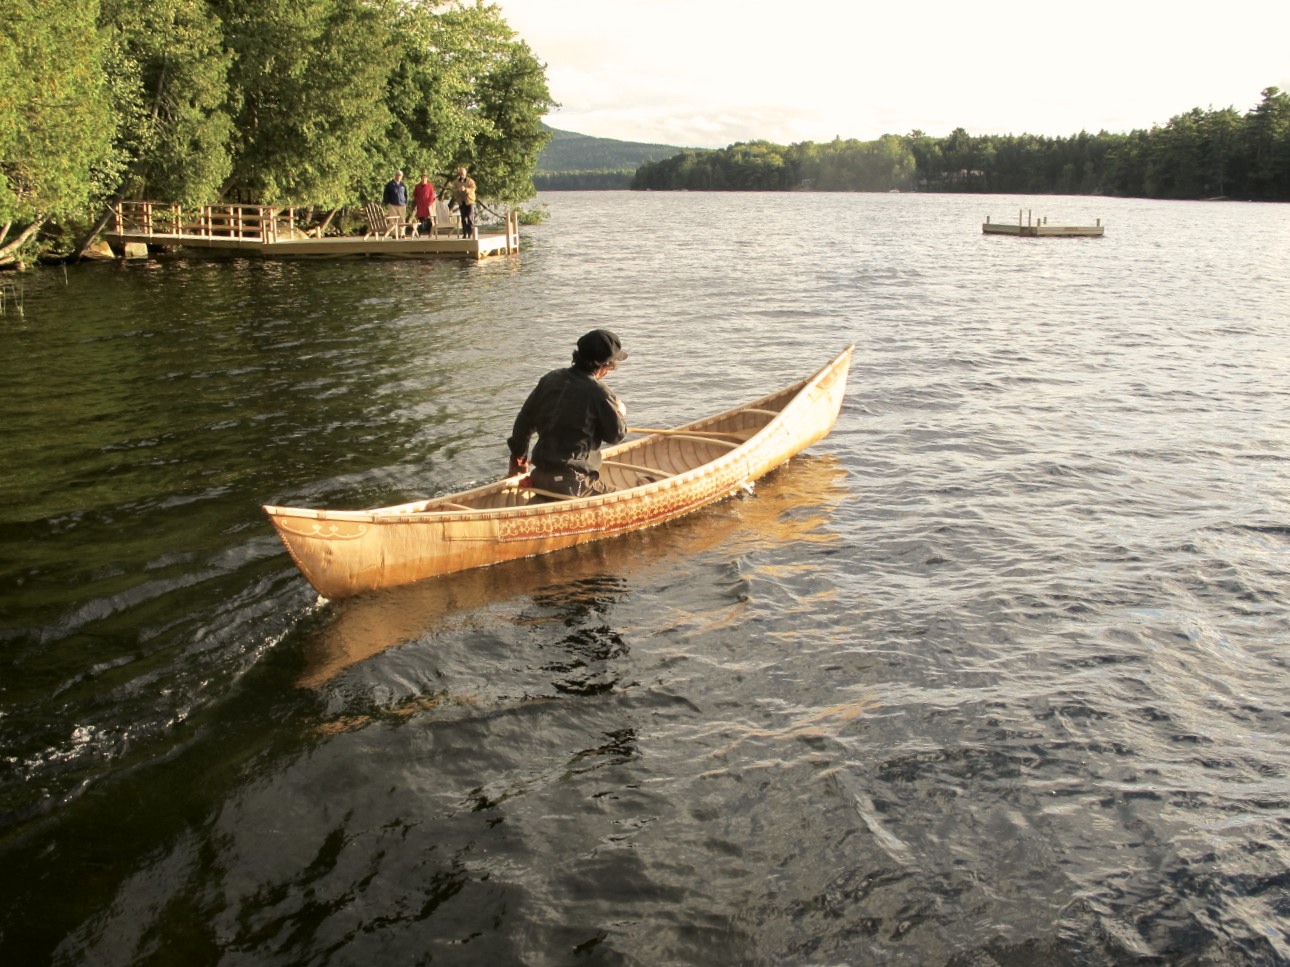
(1030, 228)
(271, 232)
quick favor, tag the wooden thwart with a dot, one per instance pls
(707, 436)
(637, 467)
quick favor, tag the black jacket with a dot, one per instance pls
(573, 414)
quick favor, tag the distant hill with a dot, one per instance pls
(580, 161)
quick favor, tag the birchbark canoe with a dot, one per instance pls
(657, 477)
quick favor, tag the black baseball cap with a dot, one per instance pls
(601, 346)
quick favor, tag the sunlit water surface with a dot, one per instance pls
(994, 675)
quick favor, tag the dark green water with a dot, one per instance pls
(995, 675)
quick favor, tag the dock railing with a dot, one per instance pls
(252, 223)
(262, 227)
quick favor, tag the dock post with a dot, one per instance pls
(512, 232)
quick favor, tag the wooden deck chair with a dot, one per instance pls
(378, 223)
(443, 220)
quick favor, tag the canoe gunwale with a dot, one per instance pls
(397, 514)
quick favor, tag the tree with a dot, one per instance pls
(56, 118)
(467, 91)
(307, 94)
(513, 98)
(1269, 139)
(170, 74)
(1221, 160)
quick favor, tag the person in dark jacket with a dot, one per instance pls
(396, 199)
(573, 414)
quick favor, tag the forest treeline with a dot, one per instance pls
(1200, 154)
(284, 102)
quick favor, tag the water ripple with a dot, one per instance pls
(994, 675)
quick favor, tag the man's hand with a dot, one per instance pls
(518, 465)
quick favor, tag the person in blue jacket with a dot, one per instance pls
(396, 198)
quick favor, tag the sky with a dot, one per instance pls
(709, 73)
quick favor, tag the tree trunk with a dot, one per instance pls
(93, 234)
(6, 251)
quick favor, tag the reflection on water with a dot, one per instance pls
(791, 505)
(582, 660)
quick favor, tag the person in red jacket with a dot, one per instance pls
(423, 198)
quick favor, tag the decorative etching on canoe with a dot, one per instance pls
(327, 530)
(547, 525)
(623, 515)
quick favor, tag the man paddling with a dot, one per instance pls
(573, 414)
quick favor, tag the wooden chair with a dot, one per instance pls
(444, 220)
(378, 223)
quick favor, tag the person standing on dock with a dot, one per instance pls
(396, 199)
(463, 191)
(573, 414)
(423, 198)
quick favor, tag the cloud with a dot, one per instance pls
(707, 73)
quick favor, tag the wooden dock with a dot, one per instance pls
(1030, 228)
(272, 232)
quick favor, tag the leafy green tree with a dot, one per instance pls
(513, 98)
(892, 165)
(56, 118)
(427, 99)
(170, 80)
(307, 95)
(804, 160)
(754, 166)
(583, 180)
(464, 91)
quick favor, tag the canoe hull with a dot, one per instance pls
(342, 553)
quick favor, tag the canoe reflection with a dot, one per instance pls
(583, 667)
(792, 505)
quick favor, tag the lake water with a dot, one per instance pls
(996, 674)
